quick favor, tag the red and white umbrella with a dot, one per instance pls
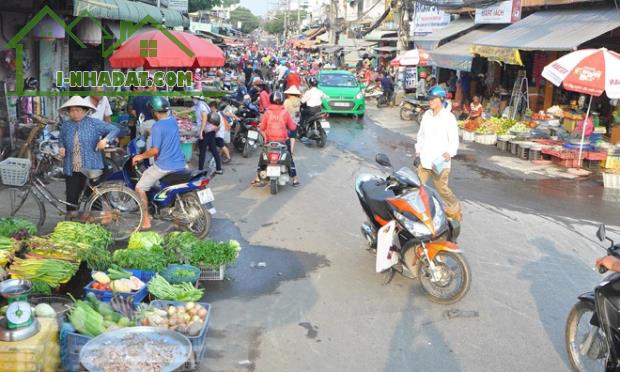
(587, 71)
(411, 57)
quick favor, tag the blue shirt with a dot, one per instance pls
(90, 131)
(139, 104)
(166, 138)
(241, 91)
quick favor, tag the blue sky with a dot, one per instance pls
(258, 7)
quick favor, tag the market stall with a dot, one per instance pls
(146, 292)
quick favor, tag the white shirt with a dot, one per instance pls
(103, 109)
(438, 134)
(281, 70)
(421, 88)
(313, 97)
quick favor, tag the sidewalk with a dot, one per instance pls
(474, 155)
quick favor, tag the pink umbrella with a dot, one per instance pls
(411, 57)
(588, 71)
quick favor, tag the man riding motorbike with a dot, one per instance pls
(275, 127)
(165, 147)
(311, 100)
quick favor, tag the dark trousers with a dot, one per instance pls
(208, 140)
(75, 184)
(292, 171)
(308, 112)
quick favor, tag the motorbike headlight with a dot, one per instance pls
(359, 95)
(440, 217)
(415, 228)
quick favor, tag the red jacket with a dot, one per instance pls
(276, 124)
(293, 79)
(263, 101)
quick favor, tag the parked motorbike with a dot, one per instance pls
(592, 332)
(246, 136)
(411, 233)
(373, 91)
(182, 198)
(412, 108)
(275, 164)
(314, 127)
(384, 100)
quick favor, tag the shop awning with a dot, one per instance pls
(116, 9)
(329, 49)
(557, 30)
(432, 40)
(387, 49)
(174, 18)
(456, 54)
(355, 43)
(379, 35)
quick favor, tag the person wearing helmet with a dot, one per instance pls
(437, 143)
(275, 126)
(420, 90)
(312, 100)
(165, 148)
(81, 147)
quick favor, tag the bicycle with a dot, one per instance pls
(115, 206)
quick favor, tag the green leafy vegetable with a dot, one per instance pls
(160, 288)
(17, 227)
(144, 240)
(87, 233)
(211, 254)
(155, 259)
(181, 245)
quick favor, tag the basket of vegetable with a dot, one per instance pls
(212, 258)
(163, 290)
(188, 318)
(176, 274)
(104, 286)
(45, 305)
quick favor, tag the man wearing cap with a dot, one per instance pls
(81, 147)
(437, 142)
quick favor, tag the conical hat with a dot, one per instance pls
(77, 101)
(292, 90)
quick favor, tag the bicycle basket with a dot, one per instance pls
(15, 171)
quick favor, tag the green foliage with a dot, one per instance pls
(249, 22)
(195, 5)
(275, 25)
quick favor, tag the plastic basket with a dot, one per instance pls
(15, 171)
(106, 296)
(198, 342)
(145, 276)
(468, 136)
(486, 139)
(71, 343)
(611, 180)
(502, 145)
(212, 273)
(167, 273)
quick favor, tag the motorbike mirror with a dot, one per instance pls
(383, 160)
(600, 233)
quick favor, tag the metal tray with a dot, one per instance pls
(94, 346)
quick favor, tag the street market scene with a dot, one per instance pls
(309, 185)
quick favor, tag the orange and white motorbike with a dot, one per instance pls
(412, 234)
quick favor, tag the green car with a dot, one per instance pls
(344, 93)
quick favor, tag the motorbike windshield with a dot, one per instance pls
(409, 176)
(415, 201)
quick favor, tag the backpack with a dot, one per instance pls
(275, 121)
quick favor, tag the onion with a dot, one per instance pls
(190, 305)
(172, 310)
(202, 313)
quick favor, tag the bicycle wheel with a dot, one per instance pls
(21, 202)
(117, 208)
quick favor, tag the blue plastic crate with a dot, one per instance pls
(198, 342)
(71, 342)
(106, 296)
(145, 276)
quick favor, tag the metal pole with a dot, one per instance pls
(298, 16)
(286, 11)
(583, 132)
(332, 21)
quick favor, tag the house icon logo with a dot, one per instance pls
(148, 48)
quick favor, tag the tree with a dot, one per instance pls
(227, 3)
(195, 5)
(248, 20)
(276, 24)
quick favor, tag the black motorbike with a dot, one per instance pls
(413, 108)
(314, 126)
(592, 333)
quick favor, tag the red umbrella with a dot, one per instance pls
(156, 49)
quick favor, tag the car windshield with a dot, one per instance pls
(337, 80)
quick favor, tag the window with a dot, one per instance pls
(338, 80)
(148, 48)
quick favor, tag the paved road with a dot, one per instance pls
(319, 306)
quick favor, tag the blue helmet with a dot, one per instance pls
(437, 92)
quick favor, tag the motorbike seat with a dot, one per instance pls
(182, 176)
(376, 196)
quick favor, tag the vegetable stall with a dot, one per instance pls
(85, 289)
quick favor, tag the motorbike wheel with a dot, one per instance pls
(452, 267)
(274, 186)
(405, 114)
(595, 357)
(322, 138)
(419, 117)
(118, 208)
(246, 150)
(198, 219)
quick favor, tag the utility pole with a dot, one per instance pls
(333, 10)
(298, 16)
(286, 11)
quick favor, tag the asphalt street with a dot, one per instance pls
(304, 296)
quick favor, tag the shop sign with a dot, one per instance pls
(428, 19)
(504, 55)
(502, 12)
(178, 5)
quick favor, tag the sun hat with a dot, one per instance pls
(77, 101)
(293, 90)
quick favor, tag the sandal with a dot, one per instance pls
(296, 184)
(257, 183)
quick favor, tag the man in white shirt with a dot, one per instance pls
(420, 90)
(437, 143)
(281, 71)
(312, 99)
(104, 110)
